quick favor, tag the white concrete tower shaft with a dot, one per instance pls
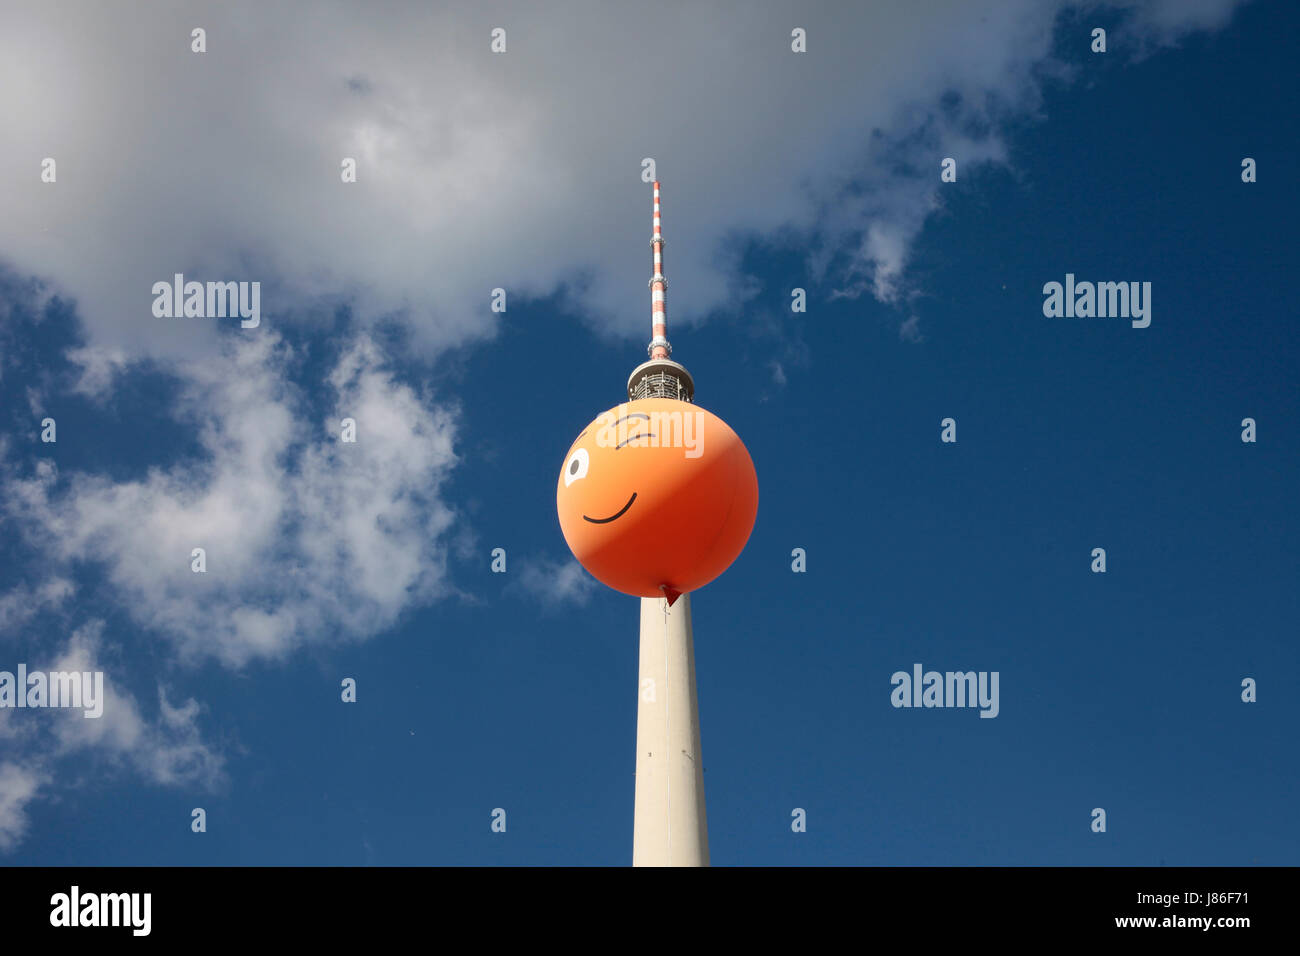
(669, 827)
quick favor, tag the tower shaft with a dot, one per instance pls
(669, 826)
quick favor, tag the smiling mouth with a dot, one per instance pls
(622, 511)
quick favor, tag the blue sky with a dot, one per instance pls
(478, 690)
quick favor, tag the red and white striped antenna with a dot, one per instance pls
(660, 376)
(659, 347)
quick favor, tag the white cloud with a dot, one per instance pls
(98, 367)
(307, 539)
(479, 170)
(20, 604)
(554, 583)
(18, 787)
(167, 751)
(1161, 23)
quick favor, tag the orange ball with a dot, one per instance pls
(657, 496)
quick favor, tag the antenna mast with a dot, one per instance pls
(660, 377)
(659, 347)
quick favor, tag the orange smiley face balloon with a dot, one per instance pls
(657, 496)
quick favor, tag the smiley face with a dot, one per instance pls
(657, 494)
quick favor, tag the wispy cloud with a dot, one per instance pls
(18, 787)
(556, 583)
(167, 749)
(306, 538)
(20, 604)
(97, 368)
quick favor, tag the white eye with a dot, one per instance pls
(576, 467)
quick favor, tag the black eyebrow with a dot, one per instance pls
(633, 415)
(634, 438)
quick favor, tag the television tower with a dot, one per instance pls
(669, 827)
